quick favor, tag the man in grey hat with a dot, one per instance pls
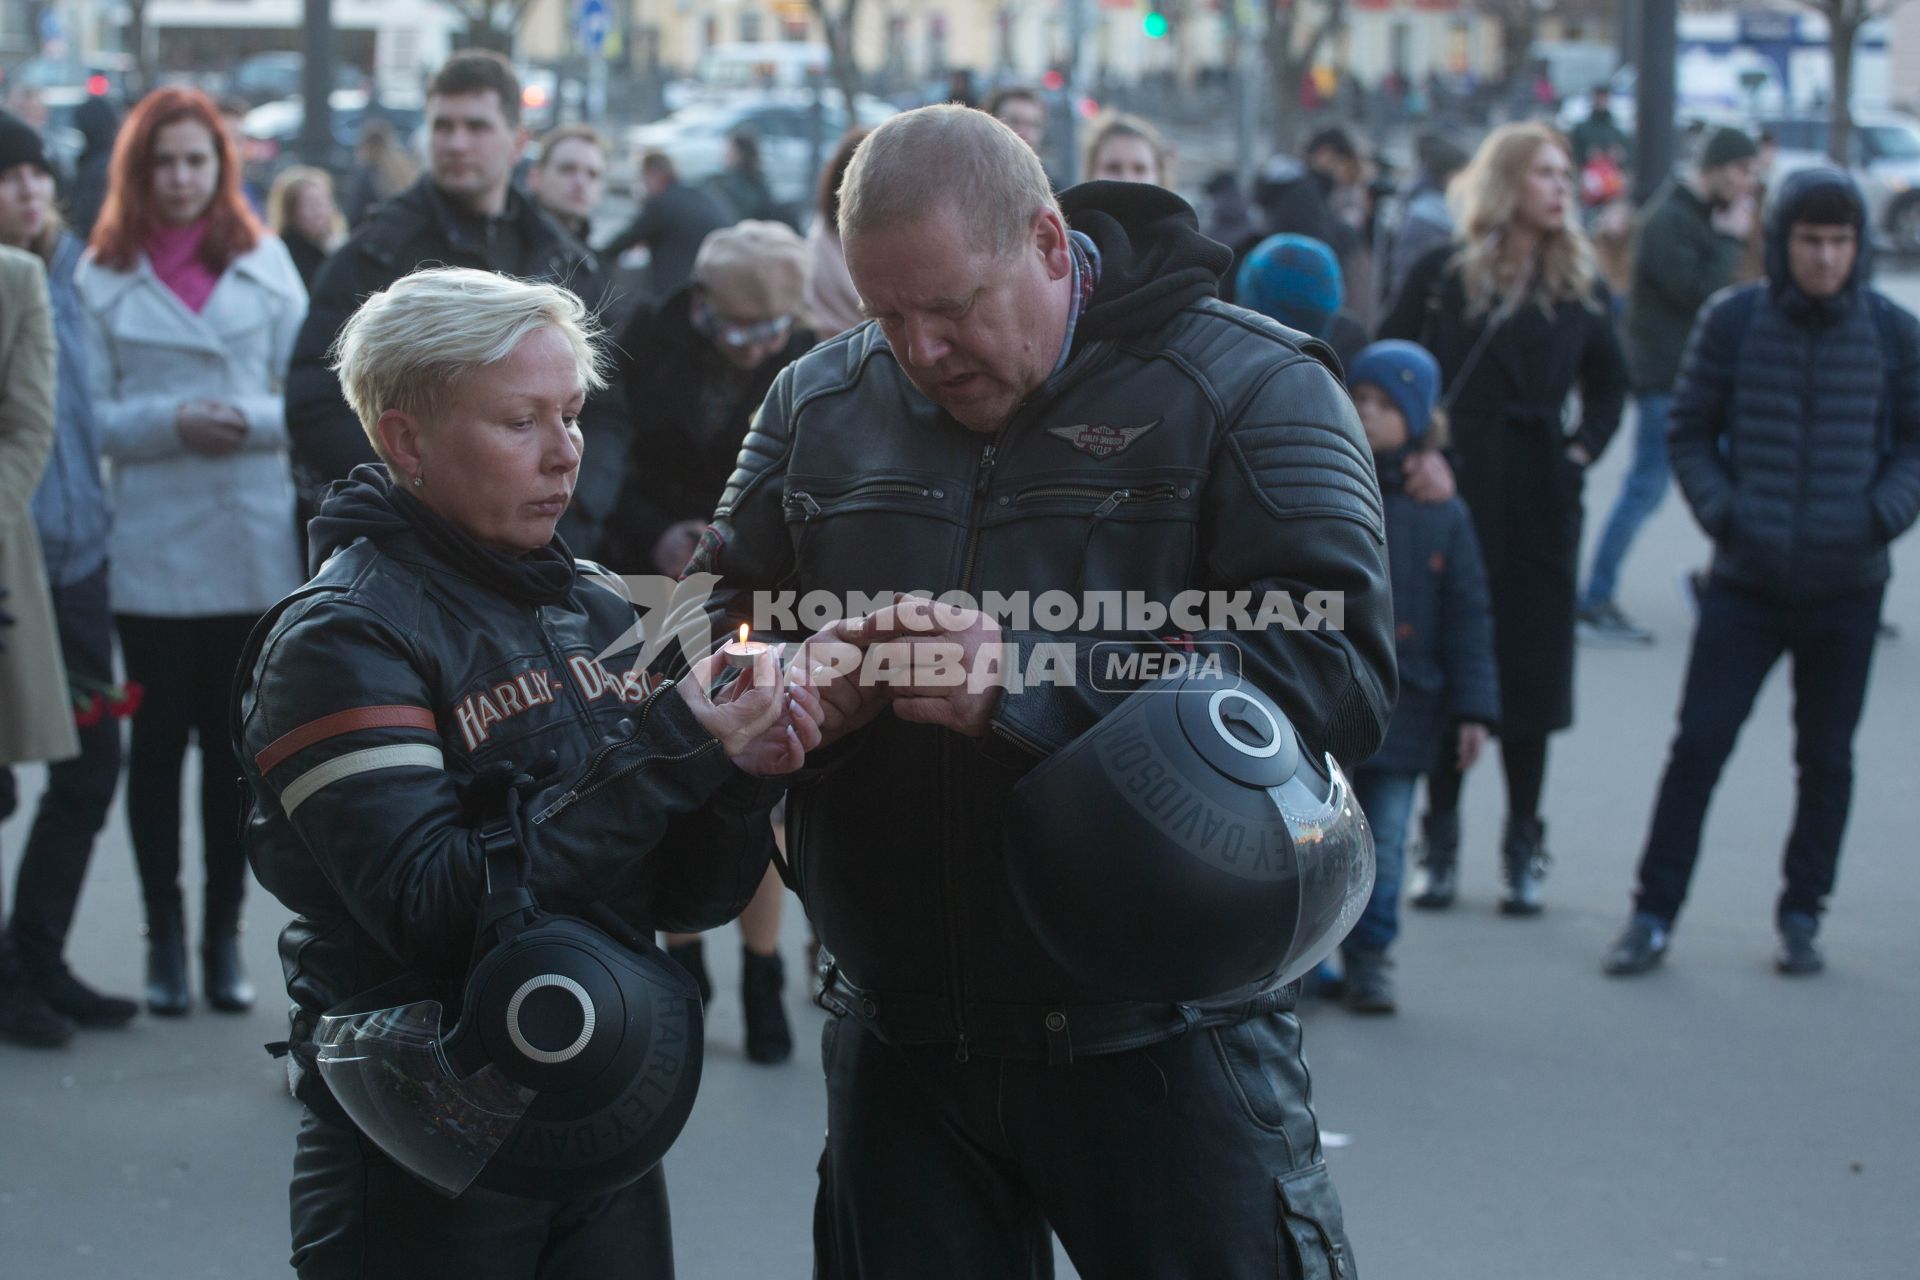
(1686, 248)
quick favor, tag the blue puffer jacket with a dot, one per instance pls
(1796, 425)
(1443, 624)
(70, 505)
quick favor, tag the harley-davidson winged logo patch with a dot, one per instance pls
(1100, 440)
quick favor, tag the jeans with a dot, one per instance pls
(1741, 635)
(186, 666)
(1386, 797)
(53, 865)
(1640, 495)
(1194, 1156)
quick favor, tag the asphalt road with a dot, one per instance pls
(1523, 1118)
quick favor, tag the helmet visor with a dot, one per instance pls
(388, 1071)
(1334, 847)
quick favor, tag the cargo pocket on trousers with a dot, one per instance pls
(1313, 1239)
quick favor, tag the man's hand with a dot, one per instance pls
(828, 668)
(1472, 741)
(1428, 477)
(764, 727)
(210, 427)
(676, 546)
(937, 639)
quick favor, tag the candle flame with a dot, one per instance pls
(743, 633)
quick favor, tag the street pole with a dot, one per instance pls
(1066, 125)
(1655, 100)
(316, 85)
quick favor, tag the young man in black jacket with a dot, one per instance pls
(1051, 403)
(1686, 249)
(1796, 439)
(465, 212)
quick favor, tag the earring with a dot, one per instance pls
(419, 482)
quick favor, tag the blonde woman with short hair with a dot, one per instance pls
(1533, 383)
(449, 666)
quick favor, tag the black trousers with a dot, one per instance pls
(1195, 1157)
(53, 865)
(186, 666)
(359, 1216)
(1740, 636)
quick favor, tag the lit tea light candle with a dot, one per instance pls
(742, 653)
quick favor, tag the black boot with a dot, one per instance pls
(73, 999)
(761, 979)
(1369, 982)
(25, 1018)
(167, 993)
(1524, 856)
(1435, 884)
(692, 957)
(226, 978)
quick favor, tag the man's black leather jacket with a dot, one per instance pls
(390, 686)
(1241, 466)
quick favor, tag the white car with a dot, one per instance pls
(695, 138)
(1885, 162)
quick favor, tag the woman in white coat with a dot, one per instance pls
(192, 311)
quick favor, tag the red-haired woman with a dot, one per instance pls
(192, 310)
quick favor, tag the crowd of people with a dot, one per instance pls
(212, 398)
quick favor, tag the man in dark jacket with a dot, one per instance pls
(673, 223)
(1796, 439)
(1600, 133)
(464, 213)
(1039, 410)
(1686, 250)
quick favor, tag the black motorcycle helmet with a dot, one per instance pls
(1187, 846)
(571, 1070)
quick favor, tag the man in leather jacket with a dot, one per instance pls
(464, 212)
(1043, 410)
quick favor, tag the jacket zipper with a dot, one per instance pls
(1794, 539)
(588, 785)
(983, 478)
(1113, 497)
(811, 505)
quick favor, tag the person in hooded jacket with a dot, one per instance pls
(449, 650)
(99, 125)
(1796, 441)
(1051, 399)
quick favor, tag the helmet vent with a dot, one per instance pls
(550, 1018)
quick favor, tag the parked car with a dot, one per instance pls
(1885, 161)
(272, 129)
(695, 138)
(269, 77)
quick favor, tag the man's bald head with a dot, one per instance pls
(946, 158)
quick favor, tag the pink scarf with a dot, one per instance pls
(175, 255)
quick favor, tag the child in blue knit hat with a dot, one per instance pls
(1443, 637)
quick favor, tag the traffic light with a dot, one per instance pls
(1154, 24)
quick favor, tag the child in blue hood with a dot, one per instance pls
(1443, 637)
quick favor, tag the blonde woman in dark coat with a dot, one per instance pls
(1522, 324)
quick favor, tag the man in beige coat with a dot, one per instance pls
(36, 711)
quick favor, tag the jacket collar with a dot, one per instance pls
(195, 331)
